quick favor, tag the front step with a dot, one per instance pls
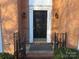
(46, 57)
(39, 51)
(41, 47)
(39, 55)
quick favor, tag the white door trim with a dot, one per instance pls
(49, 9)
(1, 41)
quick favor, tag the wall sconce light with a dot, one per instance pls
(23, 15)
(56, 15)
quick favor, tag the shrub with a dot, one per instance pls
(66, 53)
(6, 56)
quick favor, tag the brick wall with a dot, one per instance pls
(9, 23)
(65, 19)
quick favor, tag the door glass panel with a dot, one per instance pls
(39, 24)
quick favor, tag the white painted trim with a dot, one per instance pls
(0, 41)
(31, 26)
(49, 26)
(78, 45)
(40, 5)
(49, 9)
(40, 2)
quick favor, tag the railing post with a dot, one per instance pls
(16, 45)
(55, 41)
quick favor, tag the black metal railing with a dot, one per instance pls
(59, 40)
(16, 45)
(19, 47)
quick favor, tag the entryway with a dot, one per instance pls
(40, 13)
(40, 25)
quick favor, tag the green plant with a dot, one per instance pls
(6, 56)
(66, 53)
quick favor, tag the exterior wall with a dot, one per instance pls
(67, 20)
(23, 27)
(23, 20)
(64, 19)
(63, 16)
(9, 23)
(12, 14)
(73, 23)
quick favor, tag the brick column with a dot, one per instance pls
(22, 27)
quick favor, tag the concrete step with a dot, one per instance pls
(39, 55)
(39, 47)
(39, 51)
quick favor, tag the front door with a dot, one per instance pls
(39, 25)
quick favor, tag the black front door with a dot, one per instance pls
(39, 24)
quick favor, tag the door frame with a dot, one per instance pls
(49, 14)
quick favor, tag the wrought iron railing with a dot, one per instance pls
(59, 40)
(16, 45)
